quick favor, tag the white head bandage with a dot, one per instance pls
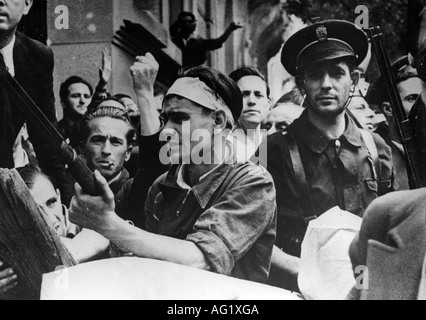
(197, 91)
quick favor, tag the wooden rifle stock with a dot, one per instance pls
(78, 169)
(403, 123)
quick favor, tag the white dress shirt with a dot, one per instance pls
(7, 53)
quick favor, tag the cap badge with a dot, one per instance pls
(322, 33)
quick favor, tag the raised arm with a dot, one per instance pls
(104, 76)
(144, 72)
(232, 27)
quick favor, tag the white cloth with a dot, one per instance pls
(7, 53)
(145, 279)
(197, 91)
(326, 270)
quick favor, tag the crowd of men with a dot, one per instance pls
(239, 200)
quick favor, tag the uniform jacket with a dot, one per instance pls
(339, 173)
(418, 120)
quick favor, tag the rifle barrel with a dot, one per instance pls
(402, 121)
(81, 173)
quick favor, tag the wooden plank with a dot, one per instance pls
(27, 242)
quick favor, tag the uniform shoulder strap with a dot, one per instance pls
(372, 148)
(301, 180)
(370, 144)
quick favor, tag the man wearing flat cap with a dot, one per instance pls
(218, 215)
(324, 160)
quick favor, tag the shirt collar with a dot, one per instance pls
(116, 178)
(181, 181)
(207, 185)
(7, 53)
(317, 142)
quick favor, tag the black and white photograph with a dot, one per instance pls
(213, 155)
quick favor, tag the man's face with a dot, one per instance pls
(281, 117)
(106, 148)
(363, 113)
(410, 90)
(11, 12)
(327, 86)
(183, 118)
(78, 99)
(49, 200)
(255, 100)
(189, 25)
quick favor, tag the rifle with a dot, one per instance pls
(78, 169)
(403, 123)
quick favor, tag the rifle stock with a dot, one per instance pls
(403, 123)
(78, 169)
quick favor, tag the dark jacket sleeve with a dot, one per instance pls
(38, 82)
(205, 44)
(131, 199)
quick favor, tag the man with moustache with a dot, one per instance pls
(31, 63)
(107, 142)
(324, 160)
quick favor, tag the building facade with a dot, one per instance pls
(128, 28)
(78, 31)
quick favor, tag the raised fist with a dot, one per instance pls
(144, 72)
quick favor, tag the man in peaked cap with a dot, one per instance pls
(324, 160)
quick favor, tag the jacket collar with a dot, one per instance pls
(120, 180)
(317, 142)
(21, 56)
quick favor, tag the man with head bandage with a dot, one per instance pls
(214, 214)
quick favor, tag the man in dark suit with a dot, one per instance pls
(31, 63)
